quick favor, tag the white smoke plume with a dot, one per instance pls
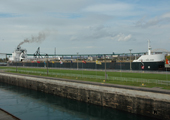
(41, 37)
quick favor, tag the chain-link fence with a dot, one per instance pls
(96, 76)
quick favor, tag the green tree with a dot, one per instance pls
(168, 57)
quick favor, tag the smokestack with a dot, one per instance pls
(41, 37)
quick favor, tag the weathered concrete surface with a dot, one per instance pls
(7, 116)
(146, 103)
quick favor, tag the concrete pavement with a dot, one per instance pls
(7, 116)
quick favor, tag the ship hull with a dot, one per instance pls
(93, 65)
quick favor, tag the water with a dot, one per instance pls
(28, 104)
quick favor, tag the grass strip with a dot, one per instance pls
(79, 75)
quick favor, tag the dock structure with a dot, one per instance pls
(4, 115)
(144, 101)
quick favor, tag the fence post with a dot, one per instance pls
(105, 69)
(16, 66)
(47, 65)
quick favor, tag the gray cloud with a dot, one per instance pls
(159, 20)
(33, 7)
(82, 25)
(91, 33)
(117, 8)
(122, 37)
(97, 33)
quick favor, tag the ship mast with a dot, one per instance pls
(149, 48)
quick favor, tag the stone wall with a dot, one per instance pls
(146, 103)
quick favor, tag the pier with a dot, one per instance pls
(4, 115)
(144, 101)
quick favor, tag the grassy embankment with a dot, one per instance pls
(123, 78)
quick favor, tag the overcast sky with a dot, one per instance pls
(85, 26)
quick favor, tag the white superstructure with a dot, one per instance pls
(151, 57)
(18, 55)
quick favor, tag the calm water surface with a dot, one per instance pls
(28, 104)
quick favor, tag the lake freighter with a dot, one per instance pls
(144, 62)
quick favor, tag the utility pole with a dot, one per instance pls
(130, 59)
(55, 52)
(6, 58)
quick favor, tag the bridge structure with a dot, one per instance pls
(37, 53)
(51, 55)
(76, 56)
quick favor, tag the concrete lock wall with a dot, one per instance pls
(146, 103)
